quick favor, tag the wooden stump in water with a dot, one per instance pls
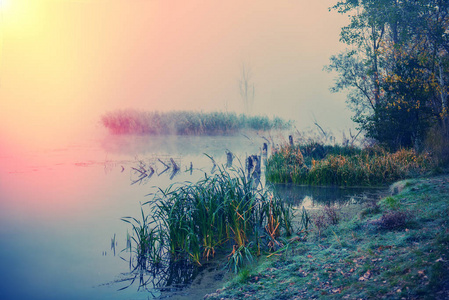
(229, 158)
(253, 163)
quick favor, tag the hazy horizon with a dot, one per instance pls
(65, 63)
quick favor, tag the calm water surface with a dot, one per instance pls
(61, 206)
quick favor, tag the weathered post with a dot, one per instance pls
(249, 165)
(229, 158)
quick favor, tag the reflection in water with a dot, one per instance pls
(311, 196)
(168, 275)
(181, 145)
(167, 280)
(143, 171)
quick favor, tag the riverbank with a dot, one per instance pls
(395, 248)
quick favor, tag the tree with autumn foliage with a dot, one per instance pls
(396, 68)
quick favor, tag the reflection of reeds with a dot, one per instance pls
(143, 172)
(344, 166)
(186, 123)
(221, 211)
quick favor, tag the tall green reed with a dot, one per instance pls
(223, 212)
(146, 238)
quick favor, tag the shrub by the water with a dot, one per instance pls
(394, 219)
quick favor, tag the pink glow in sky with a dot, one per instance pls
(63, 63)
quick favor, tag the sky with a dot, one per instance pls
(64, 63)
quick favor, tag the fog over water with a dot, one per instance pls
(65, 183)
(64, 63)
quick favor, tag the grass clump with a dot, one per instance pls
(391, 203)
(187, 122)
(224, 212)
(345, 166)
(327, 216)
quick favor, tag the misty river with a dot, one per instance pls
(61, 231)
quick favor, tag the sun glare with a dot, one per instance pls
(21, 18)
(4, 5)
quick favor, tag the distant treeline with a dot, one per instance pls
(187, 123)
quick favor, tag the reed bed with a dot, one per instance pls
(345, 166)
(222, 213)
(187, 123)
